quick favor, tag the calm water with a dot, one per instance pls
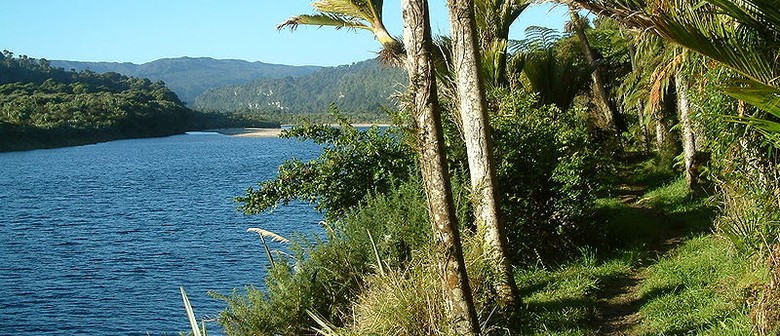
(97, 239)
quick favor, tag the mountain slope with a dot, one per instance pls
(188, 77)
(362, 87)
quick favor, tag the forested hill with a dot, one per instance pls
(359, 88)
(43, 106)
(188, 76)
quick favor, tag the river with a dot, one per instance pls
(97, 239)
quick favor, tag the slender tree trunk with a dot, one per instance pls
(474, 114)
(643, 132)
(433, 164)
(612, 117)
(661, 134)
(686, 130)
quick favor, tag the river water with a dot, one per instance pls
(97, 239)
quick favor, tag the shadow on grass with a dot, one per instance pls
(655, 229)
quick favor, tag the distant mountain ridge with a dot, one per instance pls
(189, 77)
(361, 88)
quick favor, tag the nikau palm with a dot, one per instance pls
(743, 35)
(424, 105)
(474, 114)
(351, 14)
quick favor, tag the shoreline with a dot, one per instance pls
(257, 132)
(254, 132)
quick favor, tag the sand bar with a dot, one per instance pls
(270, 132)
(250, 132)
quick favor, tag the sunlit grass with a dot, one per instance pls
(702, 288)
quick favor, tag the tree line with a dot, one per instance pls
(43, 106)
(361, 89)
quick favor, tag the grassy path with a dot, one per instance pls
(661, 272)
(619, 299)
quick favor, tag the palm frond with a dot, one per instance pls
(660, 81)
(697, 27)
(354, 8)
(762, 15)
(323, 19)
(762, 96)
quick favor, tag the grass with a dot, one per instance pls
(563, 301)
(701, 288)
(690, 282)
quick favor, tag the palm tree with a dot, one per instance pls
(613, 119)
(424, 105)
(351, 14)
(479, 149)
(743, 35)
(493, 19)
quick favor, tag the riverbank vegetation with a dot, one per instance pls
(42, 107)
(634, 162)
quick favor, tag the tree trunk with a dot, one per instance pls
(643, 132)
(474, 114)
(661, 134)
(425, 107)
(686, 130)
(612, 117)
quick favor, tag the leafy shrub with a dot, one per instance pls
(744, 168)
(547, 168)
(353, 164)
(325, 275)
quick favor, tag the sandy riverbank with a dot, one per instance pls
(268, 132)
(250, 132)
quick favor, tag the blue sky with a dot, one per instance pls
(140, 31)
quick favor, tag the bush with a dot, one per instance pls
(324, 276)
(353, 164)
(744, 168)
(548, 168)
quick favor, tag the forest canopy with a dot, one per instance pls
(43, 106)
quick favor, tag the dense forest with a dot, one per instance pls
(189, 77)
(42, 106)
(618, 178)
(361, 89)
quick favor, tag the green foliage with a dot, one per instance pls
(701, 289)
(189, 77)
(356, 88)
(608, 38)
(324, 276)
(547, 168)
(41, 106)
(552, 68)
(744, 167)
(353, 164)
